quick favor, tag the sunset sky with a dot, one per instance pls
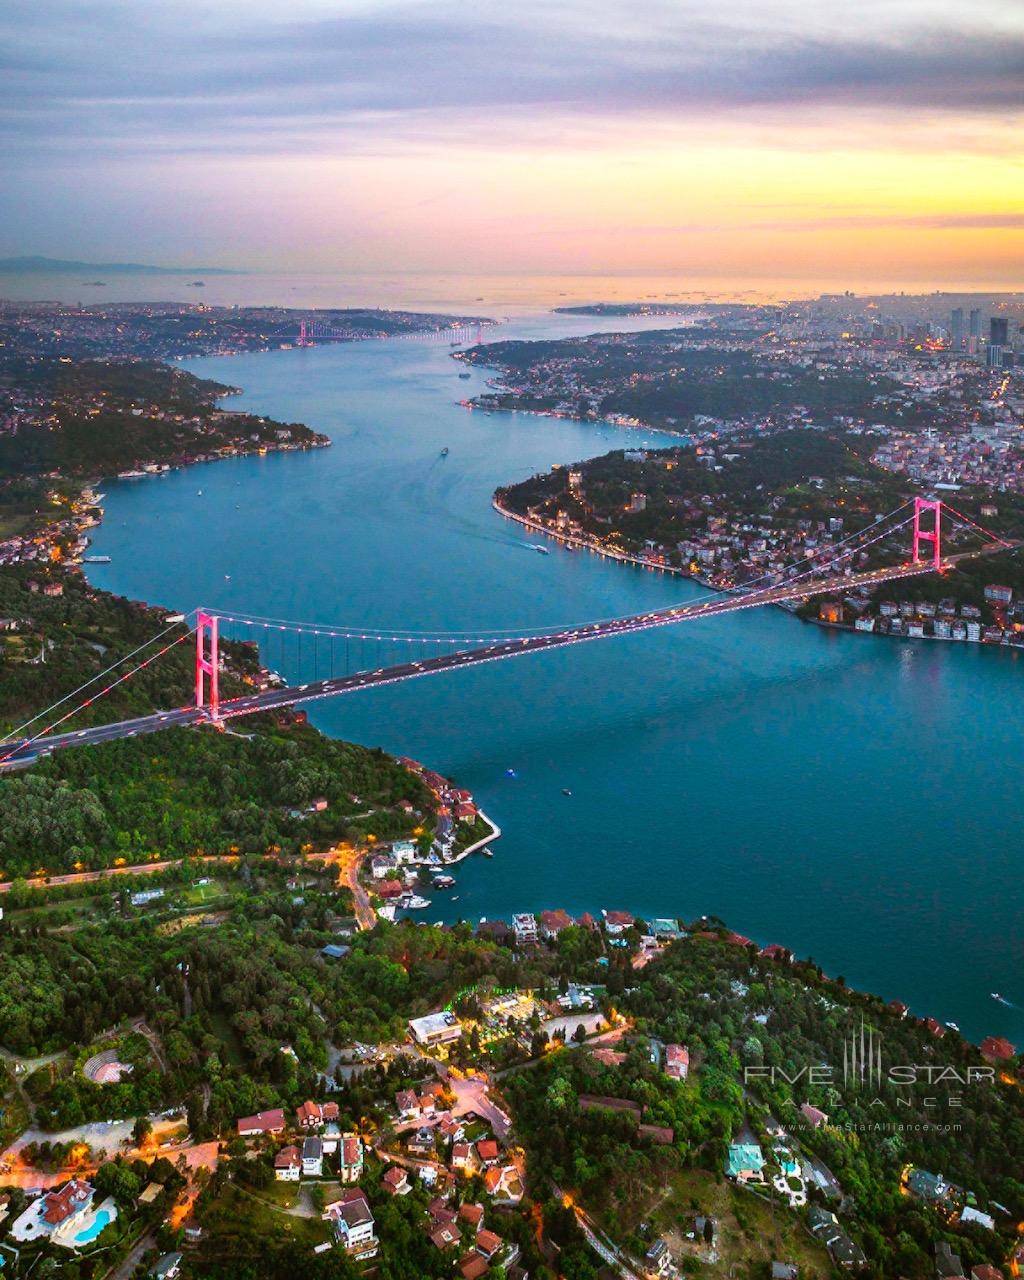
(882, 139)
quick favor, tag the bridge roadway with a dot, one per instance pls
(291, 694)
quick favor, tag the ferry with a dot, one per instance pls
(130, 475)
(543, 550)
(95, 559)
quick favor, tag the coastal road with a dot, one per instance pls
(251, 704)
(88, 877)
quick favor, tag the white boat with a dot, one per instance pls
(952, 1026)
(415, 903)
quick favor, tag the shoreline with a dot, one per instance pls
(474, 406)
(575, 542)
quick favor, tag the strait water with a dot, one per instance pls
(851, 797)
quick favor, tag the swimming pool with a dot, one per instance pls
(103, 1218)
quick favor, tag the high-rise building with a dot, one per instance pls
(975, 323)
(998, 331)
(957, 329)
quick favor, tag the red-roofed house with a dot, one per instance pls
(553, 922)
(288, 1164)
(396, 1181)
(408, 1104)
(391, 888)
(997, 1049)
(936, 1028)
(465, 812)
(58, 1206)
(617, 922)
(677, 1061)
(898, 1008)
(446, 1236)
(464, 1157)
(773, 951)
(488, 1244)
(451, 1128)
(812, 1115)
(350, 1158)
(473, 1266)
(504, 1184)
(309, 1115)
(473, 1215)
(586, 921)
(608, 1057)
(487, 1150)
(262, 1122)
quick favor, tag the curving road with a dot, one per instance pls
(292, 694)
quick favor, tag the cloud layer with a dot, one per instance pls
(188, 77)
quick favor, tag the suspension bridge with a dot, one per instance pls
(316, 330)
(829, 571)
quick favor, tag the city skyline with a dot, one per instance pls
(759, 142)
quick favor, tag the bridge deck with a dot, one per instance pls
(290, 695)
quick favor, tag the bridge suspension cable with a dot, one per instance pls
(99, 676)
(454, 635)
(88, 702)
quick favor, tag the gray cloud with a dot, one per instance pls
(115, 77)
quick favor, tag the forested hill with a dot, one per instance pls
(99, 417)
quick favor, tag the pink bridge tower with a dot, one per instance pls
(932, 535)
(207, 663)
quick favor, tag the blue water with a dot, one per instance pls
(88, 1234)
(851, 797)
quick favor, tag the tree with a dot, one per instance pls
(141, 1130)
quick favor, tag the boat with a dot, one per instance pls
(543, 550)
(443, 882)
(464, 376)
(488, 853)
(1001, 999)
(95, 559)
(199, 493)
(511, 773)
(415, 903)
(444, 452)
(952, 1026)
(566, 791)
